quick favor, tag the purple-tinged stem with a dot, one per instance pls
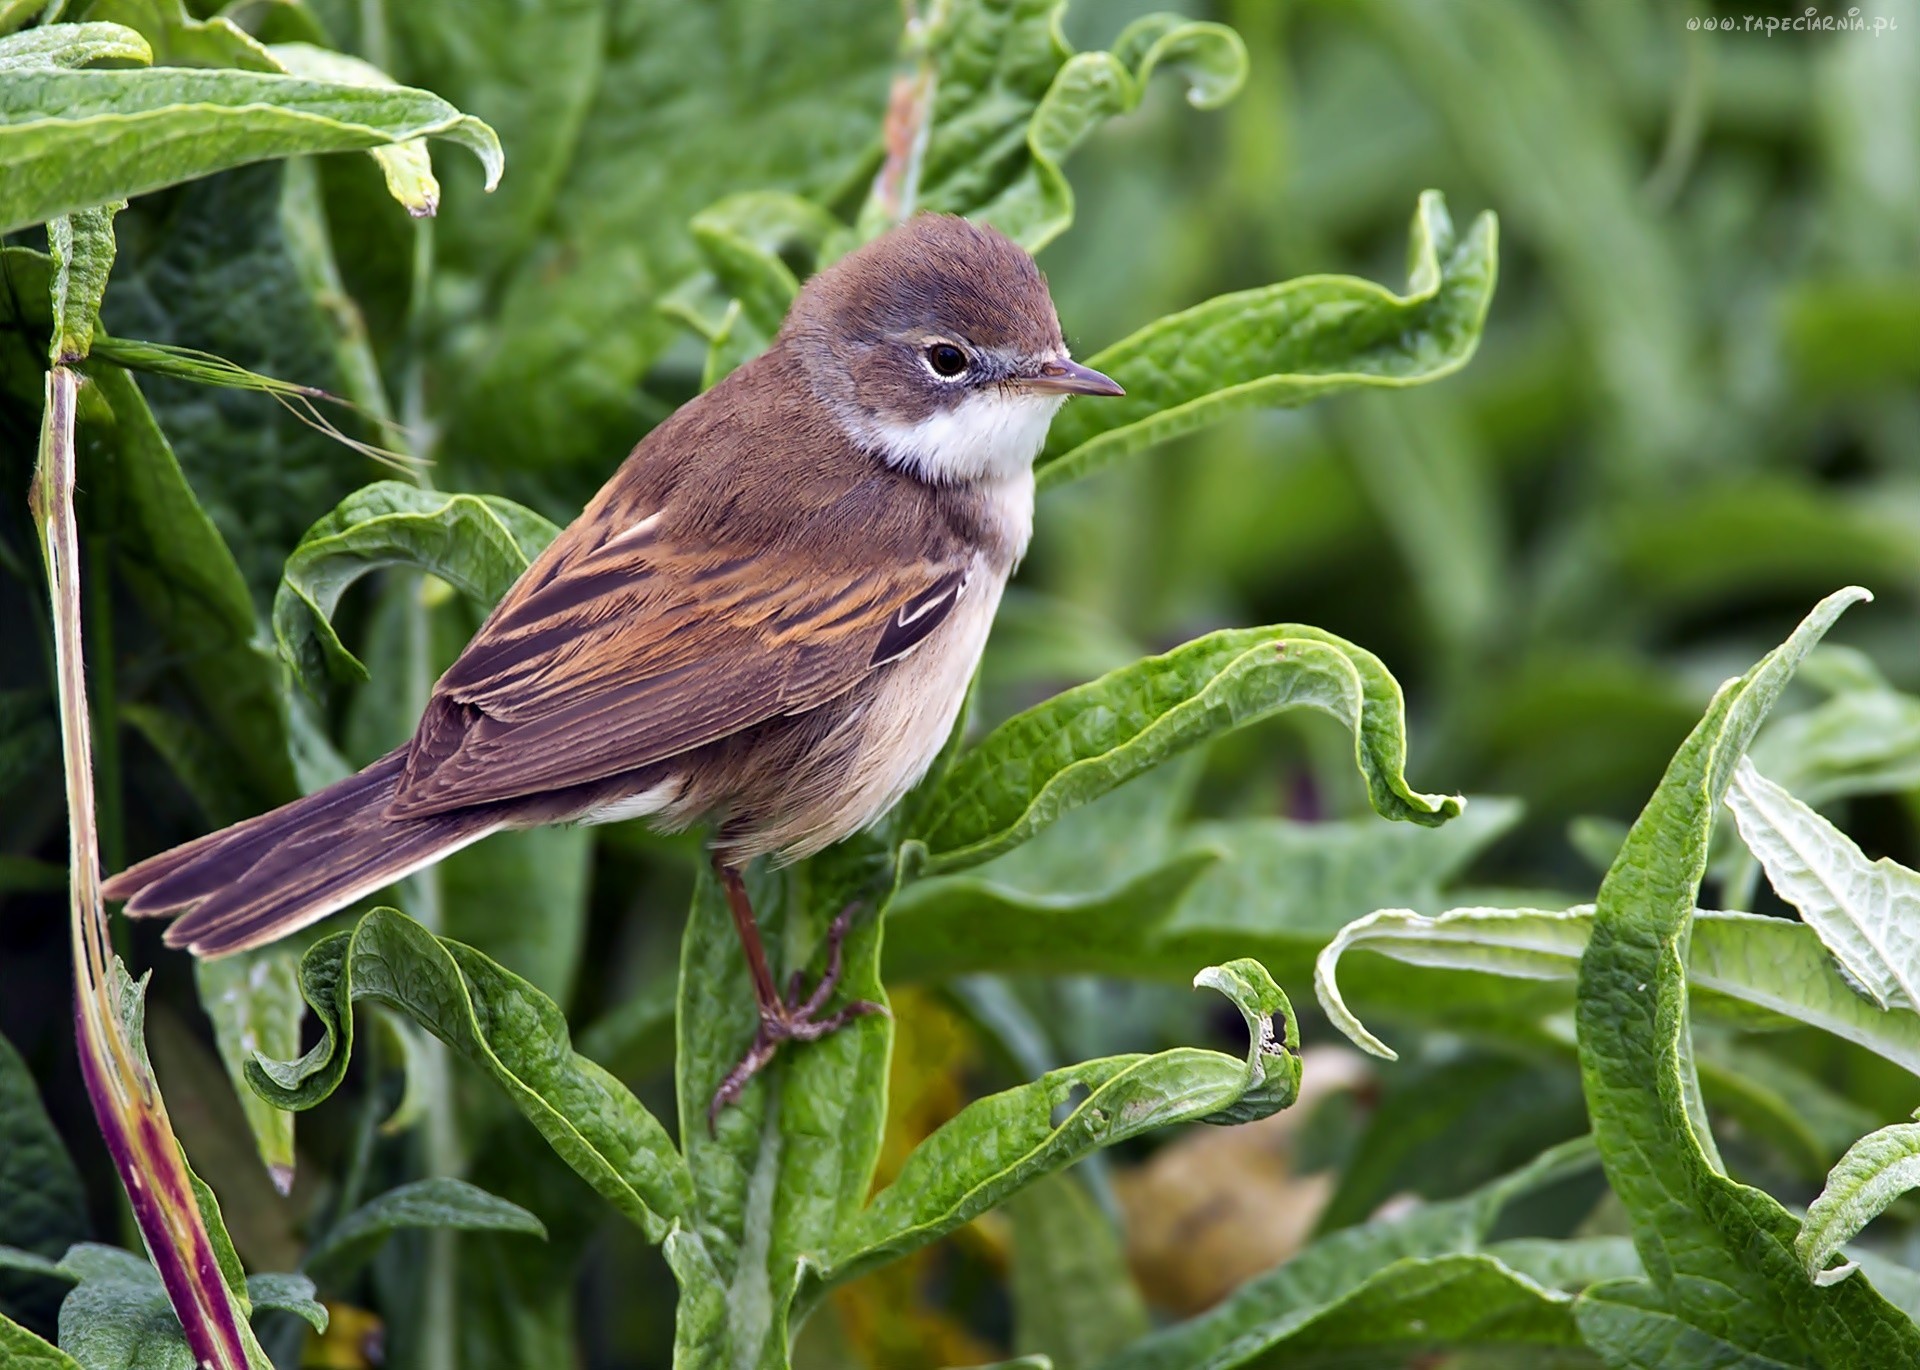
(126, 1099)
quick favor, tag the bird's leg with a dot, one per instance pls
(789, 1019)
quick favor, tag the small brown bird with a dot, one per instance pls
(768, 617)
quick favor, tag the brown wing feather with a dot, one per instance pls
(607, 658)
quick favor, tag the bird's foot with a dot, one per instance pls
(794, 1019)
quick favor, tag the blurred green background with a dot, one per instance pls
(1696, 409)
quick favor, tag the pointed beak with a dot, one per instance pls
(1066, 377)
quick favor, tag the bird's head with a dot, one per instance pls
(938, 349)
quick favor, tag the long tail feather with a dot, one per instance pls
(259, 880)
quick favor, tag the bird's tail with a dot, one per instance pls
(269, 876)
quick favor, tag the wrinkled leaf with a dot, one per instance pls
(1012, 101)
(1867, 913)
(406, 165)
(287, 1294)
(71, 45)
(438, 1202)
(1720, 1254)
(999, 1144)
(1284, 345)
(507, 1028)
(82, 247)
(1626, 1322)
(1876, 1170)
(1080, 744)
(75, 139)
(478, 543)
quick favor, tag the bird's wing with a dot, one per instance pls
(629, 652)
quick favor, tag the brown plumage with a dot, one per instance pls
(768, 616)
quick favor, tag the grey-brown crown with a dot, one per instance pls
(941, 274)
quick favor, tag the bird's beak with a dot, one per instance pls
(1067, 377)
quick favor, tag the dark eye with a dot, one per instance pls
(946, 359)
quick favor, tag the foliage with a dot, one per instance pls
(1540, 524)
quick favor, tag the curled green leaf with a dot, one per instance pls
(1084, 742)
(1012, 100)
(1876, 1170)
(997, 1145)
(506, 1027)
(75, 139)
(1283, 345)
(1765, 963)
(477, 543)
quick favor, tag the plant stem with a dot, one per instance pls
(126, 1100)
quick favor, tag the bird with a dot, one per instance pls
(766, 620)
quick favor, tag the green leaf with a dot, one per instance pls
(181, 574)
(407, 166)
(1012, 101)
(180, 40)
(21, 1350)
(478, 543)
(1876, 1170)
(1569, 1262)
(438, 1202)
(1284, 345)
(997, 1145)
(1073, 1299)
(1626, 1322)
(1387, 1291)
(478, 53)
(43, 1207)
(1082, 743)
(1720, 1254)
(71, 45)
(664, 108)
(504, 1026)
(76, 139)
(287, 1294)
(117, 1317)
(82, 248)
(253, 1001)
(1453, 1121)
(1863, 911)
(167, 552)
(1739, 958)
(783, 1166)
(958, 925)
(1864, 739)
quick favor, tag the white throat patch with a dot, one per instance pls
(992, 434)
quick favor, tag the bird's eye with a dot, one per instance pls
(946, 360)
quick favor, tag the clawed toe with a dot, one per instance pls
(794, 1020)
